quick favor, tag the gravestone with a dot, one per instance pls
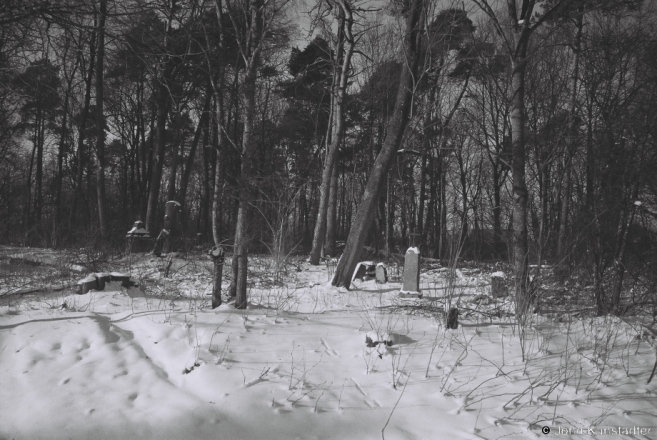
(381, 274)
(139, 240)
(411, 278)
(364, 271)
(103, 277)
(498, 285)
(90, 282)
(123, 278)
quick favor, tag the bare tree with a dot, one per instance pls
(344, 50)
(366, 210)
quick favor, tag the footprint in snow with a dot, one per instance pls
(358, 387)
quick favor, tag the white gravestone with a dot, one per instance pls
(411, 278)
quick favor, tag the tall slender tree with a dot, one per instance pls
(100, 123)
(343, 52)
(366, 210)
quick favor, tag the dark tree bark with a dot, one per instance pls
(367, 208)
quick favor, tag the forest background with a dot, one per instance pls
(519, 130)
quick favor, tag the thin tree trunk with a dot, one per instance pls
(39, 167)
(205, 198)
(331, 225)
(217, 188)
(366, 210)
(60, 171)
(520, 196)
(338, 129)
(248, 144)
(570, 145)
(189, 163)
(100, 124)
(81, 133)
(173, 169)
(161, 121)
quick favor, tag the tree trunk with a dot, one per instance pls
(60, 171)
(162, 97)
(570, 145)
(173, 169)
(520, 197)
(338, 129)
(366, 210)
(158, 167)
(248, 144)
(189, 164)
(390, 214)
(331, 225)
(38, 202)
(81, 132)
(100, 124)
(217, 188)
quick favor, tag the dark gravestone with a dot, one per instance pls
(498, 285)
(90, 282)
(381, 274)
(411, 278)
(123, 278)
(103, 277)
(365, 270)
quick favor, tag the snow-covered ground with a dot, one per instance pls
(156, 362)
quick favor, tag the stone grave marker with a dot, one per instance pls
(411, 278)
(381, 274)
(139, 240)
(498, 285)
(103, 277)
(90, 282)
(365, 270)
(123, 278)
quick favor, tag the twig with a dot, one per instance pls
(383, 437)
